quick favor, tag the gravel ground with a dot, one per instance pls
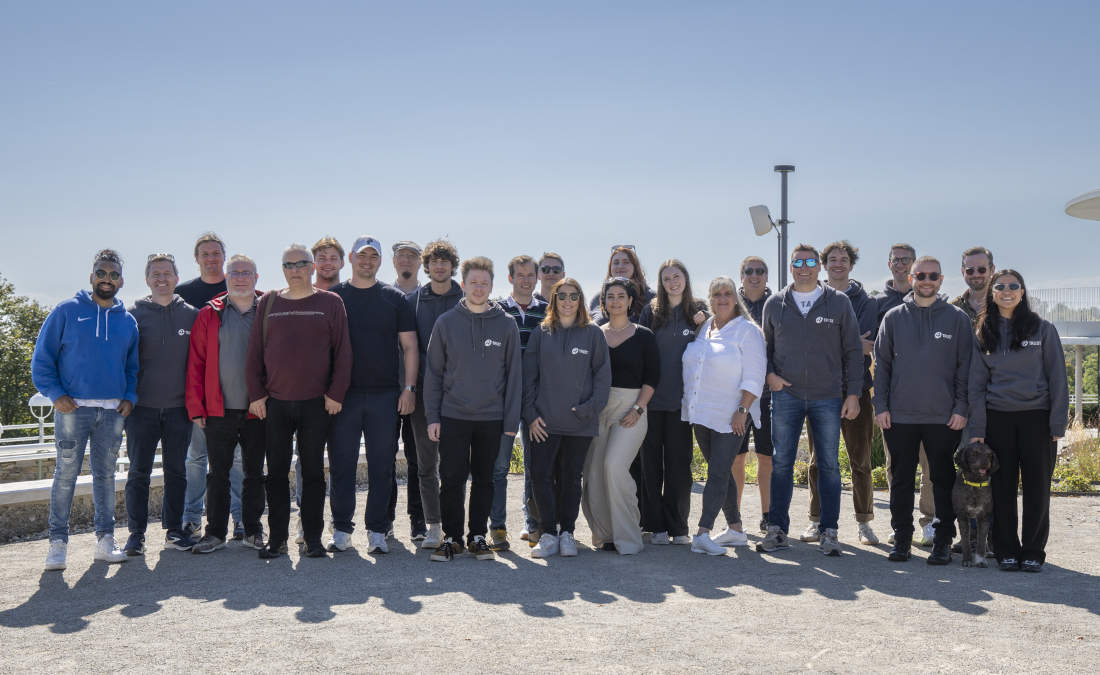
(664, 609)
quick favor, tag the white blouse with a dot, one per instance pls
(717, 367)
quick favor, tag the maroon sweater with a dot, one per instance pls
(307, 352)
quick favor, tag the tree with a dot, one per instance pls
(20, 320)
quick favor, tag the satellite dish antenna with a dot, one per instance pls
(761, 219)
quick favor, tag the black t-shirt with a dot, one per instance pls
(636, 361)
(375, 316)
(197, 292)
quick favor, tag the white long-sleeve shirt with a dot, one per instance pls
(717, 368)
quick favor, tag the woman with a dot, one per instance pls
(1019, 405)
(566, 382)
(673, 316)
(724, 370)
(624, 263)
(610, 499)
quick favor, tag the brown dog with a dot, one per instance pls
(973, 498)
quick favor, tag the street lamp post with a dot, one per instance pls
(783, 170)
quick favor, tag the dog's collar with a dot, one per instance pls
(973, 484)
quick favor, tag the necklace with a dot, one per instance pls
(611, 329)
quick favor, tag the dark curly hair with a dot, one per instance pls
(1025, 322)
(443, 249)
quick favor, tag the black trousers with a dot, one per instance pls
(414, 507)
(1026, 454)
(223, 434)
(556, 467)
(903, 442)
(467, 448)
(309, 422)
(666, 473)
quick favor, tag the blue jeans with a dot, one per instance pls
(72, 432)
(372, 415)
(145, 427)
(196, 480)
(788, 414)
(498, 515)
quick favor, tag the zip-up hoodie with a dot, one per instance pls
(819, 354)
(889, 299)
(866, 310)
(1030, 378)
(566, 369)
(86, 351)
(165, 336)
(473, 369)
(672, 339)
(922, 362)
(756, 309)
(428, 307)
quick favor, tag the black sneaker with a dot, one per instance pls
(479, 548)
(901, 551)
(1009, 564)
(193, 530)
(273, 550)
(764, 522)
(941, 553)
(135, 544)
(238, 531)
(419, 530)
(446, 551)
(315, 550)
(179, 540)
(1032, 566)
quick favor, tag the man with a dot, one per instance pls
(379, 321)
(164, 327)
(528, 312)
(299, 366)
(210, 257)
(406, 263)
(815, 373)
(441, 293)
(474, 349)
(754, 293)
(217, 401)
(840, 258)
(329, 255)
(922, 361)
(86, 362)
(899, 263)
(551, 271)
(977, 269)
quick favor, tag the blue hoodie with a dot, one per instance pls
(86, 351)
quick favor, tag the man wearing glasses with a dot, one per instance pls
(86, 362)
(815, 373)
(977, 269)
(406, 262)
(164, 325)
(922, 362)
(754, 293)
(298, 371)
(551, 271)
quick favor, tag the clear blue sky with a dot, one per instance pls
(518, 127)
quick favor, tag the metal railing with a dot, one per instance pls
(1064, 305)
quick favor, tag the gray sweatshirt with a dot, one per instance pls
(673, 338)
(473, 369)
(819, 354)
(569, 368)
(1032, 377)
(164, 338)
(922, 361)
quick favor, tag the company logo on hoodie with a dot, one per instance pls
(687, 331)
(490, 342)
(825, 319)
(183, 331)
(1031, 343)
(578, 350)
(942, 336)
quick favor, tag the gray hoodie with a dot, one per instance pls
(1032, 377)
(819, 354)
(922, 361)
(569, 368)
(473, 369)
(164, 337)
(428, 307)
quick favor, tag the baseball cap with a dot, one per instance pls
(364, 242)
(411, 245)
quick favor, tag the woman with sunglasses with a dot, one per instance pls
(1019, 405)
(673, 316)
(566, 383)
(624, 263)
(609, 495)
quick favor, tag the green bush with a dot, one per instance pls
(1072, 481)
(878, 478)
(801, 472)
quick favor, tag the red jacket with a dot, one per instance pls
(204, 389)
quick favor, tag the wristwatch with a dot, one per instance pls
(410, 387)
(639, 409)
(742, 409)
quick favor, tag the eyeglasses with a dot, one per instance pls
(239, 274)
(971, 271)
(103, 274)
(931, 276)
(901, 261)
(551, 269)
(296, 265)
(1011, 287)
(808, 262)
(758, 271)
(618, 246)
(572, 297)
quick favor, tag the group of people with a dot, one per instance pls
(605, 397)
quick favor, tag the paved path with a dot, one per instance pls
(665, 609)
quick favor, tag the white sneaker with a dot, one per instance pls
(702, 543)
(524, 534)
(681, 540)
(928, 534)
(434, 538)
(567, 545)
(829, 545)
(300, 537)
(55, 559)
(731, 537)
(811, 532)
(660, 539)
(106, 550)
(340, 541)
(377, 542)
(890, 539)
(867, 535)
(547, 546)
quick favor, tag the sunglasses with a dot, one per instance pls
(971, 271)
(807, 262)
(572, 297)
(758, 271)
(901, 261)
(618, 246)
(296, 265)
(931, 276)
(551, 269)
(103, 274)
(1010, 287)
(161, 256)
